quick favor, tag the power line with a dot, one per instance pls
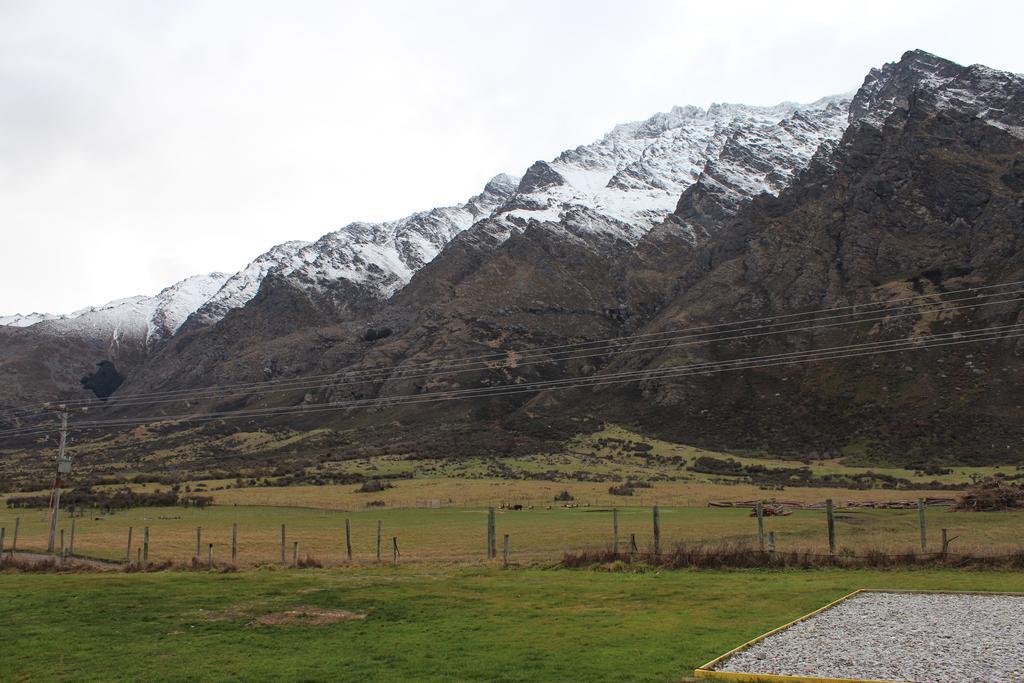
(833, 353)
(503, 354)
(309, 383)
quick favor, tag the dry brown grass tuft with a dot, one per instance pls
(307, 616)
(741, 556)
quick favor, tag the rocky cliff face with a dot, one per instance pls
(696, 216)
(923, 194)
(43, 356)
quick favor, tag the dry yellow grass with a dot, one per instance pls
(483, 492)
(314, 516)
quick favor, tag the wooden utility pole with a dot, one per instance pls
(63, 468)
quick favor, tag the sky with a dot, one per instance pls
(142, 142)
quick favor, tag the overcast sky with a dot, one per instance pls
(142, 142)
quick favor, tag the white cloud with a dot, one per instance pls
(144, 142)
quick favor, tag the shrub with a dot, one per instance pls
(991, 495)
(374, 486)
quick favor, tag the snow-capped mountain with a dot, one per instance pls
(19, 320)
(635, 174)
(623, 184)
(979, 91)
(626, 182)
(380, 257)
(243, 285)
(141, 319)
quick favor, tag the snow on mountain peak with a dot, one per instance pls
(635, 174)
(381, 257)
(985, 93)
(620, 185)
(143, 319)
(26, 320)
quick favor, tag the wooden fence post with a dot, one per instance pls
(615, 531)
(62, 546)
(234, 543)
(348, 539)
(3, 534)
(295, 554)
(492, 532)
(394, 549)
(14, 539)
(760, 524)
(920, 521)
(128, 554)
(946, 541)
(771, 546)
(657, 531)
(378, 541)
(209, 556)
(199, 535)
(829, 513)
(632, 546)
(505, 552)
(145, 543)
(71, 544)
(282, 543)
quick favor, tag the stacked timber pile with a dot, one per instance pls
(772, 511)
(900, 504)
(788, 506)
(753, 503)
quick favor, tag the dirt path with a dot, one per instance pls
(37, 558)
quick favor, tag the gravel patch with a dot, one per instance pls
(920, 637)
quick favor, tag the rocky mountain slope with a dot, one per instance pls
(923, 194)
(915, 185)
(614, 189)
(43, 356)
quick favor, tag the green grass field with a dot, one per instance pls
(422, 624)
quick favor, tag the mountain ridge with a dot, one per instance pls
(921, 192)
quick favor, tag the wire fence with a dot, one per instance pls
(668, 537)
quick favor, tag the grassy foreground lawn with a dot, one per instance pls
(422, 623)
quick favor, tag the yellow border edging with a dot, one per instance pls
(707, 671)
